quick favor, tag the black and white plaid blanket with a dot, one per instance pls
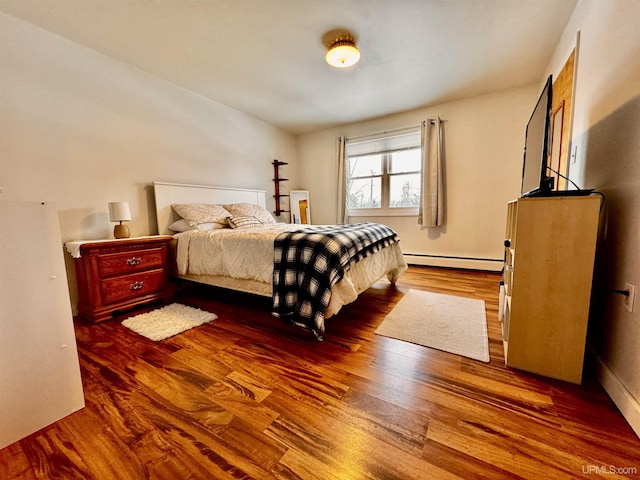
(309, 261)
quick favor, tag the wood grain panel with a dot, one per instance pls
(563, 98)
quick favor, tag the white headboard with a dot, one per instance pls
(167, 194)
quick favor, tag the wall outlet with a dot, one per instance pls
(629, 299)
(574, 154)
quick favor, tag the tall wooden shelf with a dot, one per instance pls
(276, 180)
(549, 258)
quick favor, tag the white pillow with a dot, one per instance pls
(180, 226)
(197, 213)
(250, 210)
(205, 227)
(244, 222)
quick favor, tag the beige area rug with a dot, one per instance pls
(168, 321)
(445, 322)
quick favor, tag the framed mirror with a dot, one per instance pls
(299, 206)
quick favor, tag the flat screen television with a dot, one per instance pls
(535, 180)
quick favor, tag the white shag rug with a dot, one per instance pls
(168, 321)
(445, 322)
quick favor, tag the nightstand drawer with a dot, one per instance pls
(121, 288)
(128, 262)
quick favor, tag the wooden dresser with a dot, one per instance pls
(549, 258)
(117, 275)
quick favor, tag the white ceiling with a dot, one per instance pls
(266, 57)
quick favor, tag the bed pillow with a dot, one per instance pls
(250, 210)
(198, 213)
(180, 226)
(244, 222)
(206, 227)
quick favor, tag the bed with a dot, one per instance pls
(262, 257)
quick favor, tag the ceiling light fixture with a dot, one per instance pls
(343, 52)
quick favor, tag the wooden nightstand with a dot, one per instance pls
(117, 275)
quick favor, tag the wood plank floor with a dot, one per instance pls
(247, 397)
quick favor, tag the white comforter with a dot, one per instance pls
(245, 253)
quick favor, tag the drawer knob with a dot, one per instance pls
(136, 285)
(133, 261)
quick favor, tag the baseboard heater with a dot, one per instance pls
(472, 263)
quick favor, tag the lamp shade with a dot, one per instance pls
(119, 212)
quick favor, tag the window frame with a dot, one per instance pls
(385, 186)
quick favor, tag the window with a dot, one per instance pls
(383, 175)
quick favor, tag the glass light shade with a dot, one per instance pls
(343, 54)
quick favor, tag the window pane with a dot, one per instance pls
(405, 161)
(365, 166)
(404, 190)
(364, 193)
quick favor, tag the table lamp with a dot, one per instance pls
(119, 212)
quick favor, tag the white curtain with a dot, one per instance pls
(341, 216)
(431, 211)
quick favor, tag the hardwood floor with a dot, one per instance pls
(247, 397)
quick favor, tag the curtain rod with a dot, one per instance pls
(385, 132)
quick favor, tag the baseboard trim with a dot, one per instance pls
(624, 400)
(487, 264)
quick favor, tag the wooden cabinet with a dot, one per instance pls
(549, 259)
(118, 275)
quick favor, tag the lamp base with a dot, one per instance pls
(121, 231)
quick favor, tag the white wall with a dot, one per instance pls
(484, 140)
(606, 139)
(81, 129)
